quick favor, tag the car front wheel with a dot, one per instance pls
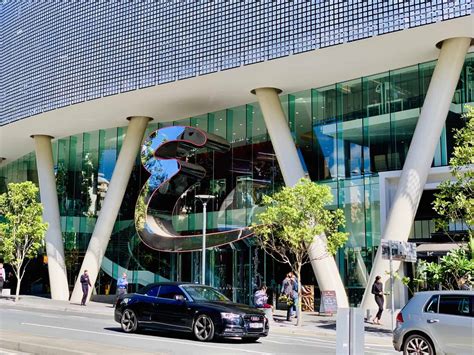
(129, 321)
(203, 328)
(417, 344)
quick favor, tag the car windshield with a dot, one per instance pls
(203, 293)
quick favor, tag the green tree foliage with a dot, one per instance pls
(455, 200)
(22, 229)
(293, 217)
(452, 271)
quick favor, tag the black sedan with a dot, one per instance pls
(191, 308)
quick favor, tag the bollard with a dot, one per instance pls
(350, 331)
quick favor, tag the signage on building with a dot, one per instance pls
(401, 251)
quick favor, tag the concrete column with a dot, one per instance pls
(420, 155)
(324, 265)
(54, 238)
(112, 201)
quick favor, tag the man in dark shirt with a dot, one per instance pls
(85, 283)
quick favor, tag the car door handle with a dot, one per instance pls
(433, 320)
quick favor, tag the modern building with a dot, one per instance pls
(359, 95)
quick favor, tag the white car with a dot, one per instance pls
(436, 322)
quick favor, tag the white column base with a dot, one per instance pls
(420, 155)
(54, 238)
(113, 199)
(324, 265)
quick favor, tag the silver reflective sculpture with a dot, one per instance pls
(164, 155)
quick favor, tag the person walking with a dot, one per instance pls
(3, 277)
(122, 286)
(288, 289)
(295, 293)
(377, 291)
(85, 283)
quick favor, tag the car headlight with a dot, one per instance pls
(230, 316)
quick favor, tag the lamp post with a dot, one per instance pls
(204, 200)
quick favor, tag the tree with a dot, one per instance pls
(290, 222)
(455, 200)
(452, 271)
(22, 229)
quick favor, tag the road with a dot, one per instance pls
(70, 333)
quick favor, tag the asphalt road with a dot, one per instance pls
(62, 332)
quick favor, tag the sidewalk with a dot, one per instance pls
(35, 302)
(313, 324)
(322, 325)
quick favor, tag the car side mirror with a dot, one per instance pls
(179, 298)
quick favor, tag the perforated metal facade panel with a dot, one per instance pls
(56, 53)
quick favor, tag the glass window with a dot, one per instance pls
(455, 305)
(152, 292)
(169, 291)
(203, 293)
(432, 305)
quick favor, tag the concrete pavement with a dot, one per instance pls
(313, 324)
(43, 331)
(44, 326)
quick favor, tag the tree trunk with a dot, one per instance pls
(471, 246)
(299, 319)
(17, 293)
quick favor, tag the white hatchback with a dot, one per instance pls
(436, 322)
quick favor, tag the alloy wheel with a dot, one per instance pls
(418, 345)
(204, 328)
(129, 321)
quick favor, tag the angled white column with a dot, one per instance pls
(112, 202)
(49, 198)
(420, 155)
(324, 265)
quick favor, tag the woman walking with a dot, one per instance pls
(377, 291)
(85, 282)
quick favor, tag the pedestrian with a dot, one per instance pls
(2, 277)
(377, 291)
(122, 286)
(260, 298)
(85, 282)
(288, 289)
(295, 293)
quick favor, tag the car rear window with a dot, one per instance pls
(153, 291)
(170, 291)
(459, 305)
(432, 305)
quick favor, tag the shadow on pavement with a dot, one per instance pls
(378, 330)
(179, 335)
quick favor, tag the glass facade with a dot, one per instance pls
(62, 53)
(345, 135)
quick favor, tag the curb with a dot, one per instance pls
(36, 348)
(324, 333)
(297, 331)
(59, 308)
(35, 344)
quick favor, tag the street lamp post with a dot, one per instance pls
(204, 200)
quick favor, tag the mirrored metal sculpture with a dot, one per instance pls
(165, 154)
